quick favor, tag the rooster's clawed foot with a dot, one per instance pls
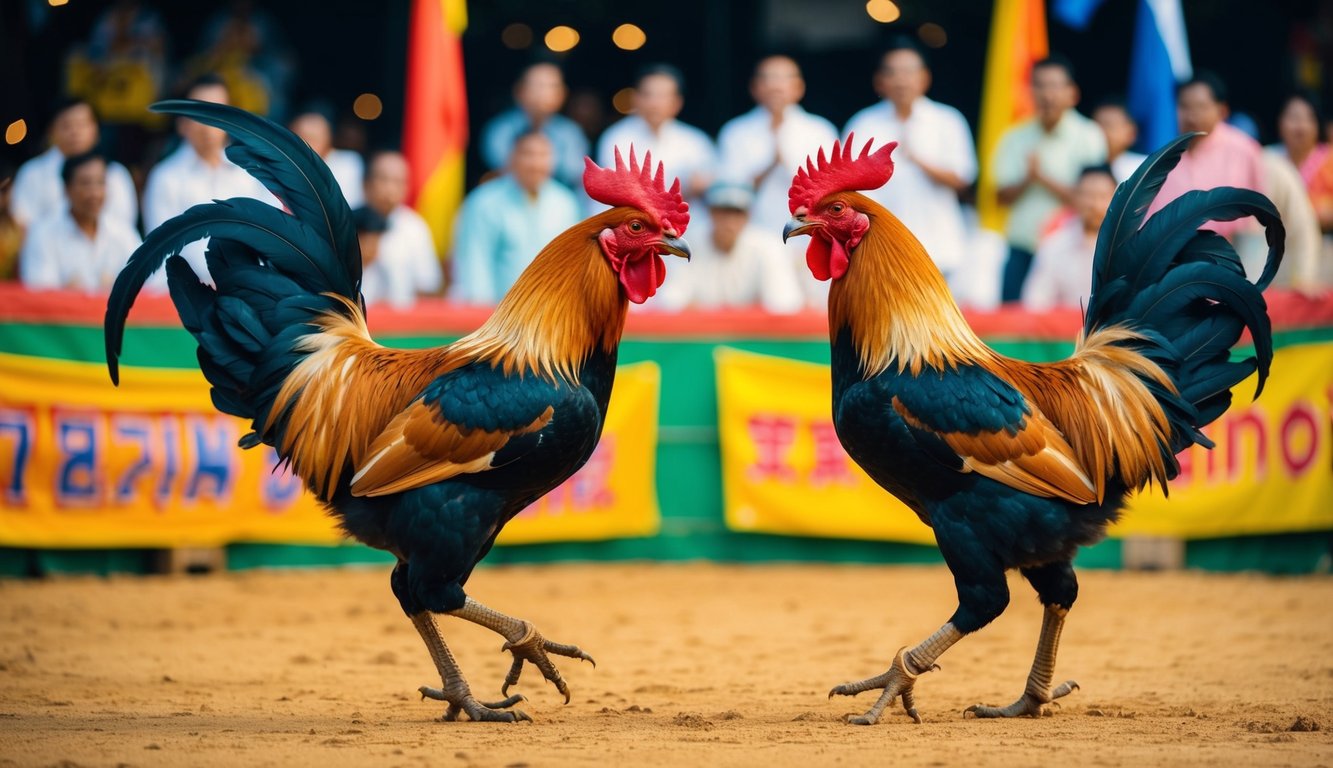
(464, 703)
(1028, 705)
(898, 681)
(534, 648)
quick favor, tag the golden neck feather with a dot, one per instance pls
(896, 302)
(564, 306)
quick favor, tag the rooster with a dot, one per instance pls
(1015, 464)
(423, 453)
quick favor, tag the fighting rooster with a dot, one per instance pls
(1015, 464)
(423, 453)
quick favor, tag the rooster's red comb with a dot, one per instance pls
(638, 187)
(840, 173)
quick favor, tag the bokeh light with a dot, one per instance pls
(367, 106)
(562, 38)
(623, 101)
(883, 11)
(516, 36)
(629, 37)
(16, 132)
(933, 35)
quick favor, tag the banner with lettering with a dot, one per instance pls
(153, 464)
(785, 472)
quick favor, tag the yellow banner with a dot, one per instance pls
(784, 471)
(153, 464)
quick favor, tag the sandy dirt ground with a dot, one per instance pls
(697, 665)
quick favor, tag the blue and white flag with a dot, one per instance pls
(1159, 60)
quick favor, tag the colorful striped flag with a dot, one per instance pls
(1017, 41)
(1160, 60)
(435, 118)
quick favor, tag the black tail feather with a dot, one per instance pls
(1185, 289)
(275, 272)
(289, 168)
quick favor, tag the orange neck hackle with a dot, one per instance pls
(566, 305)
(896, 303)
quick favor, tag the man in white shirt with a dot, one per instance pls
(765, 146)
(407, 247)
(1061, 273)
(685, 151)
(935, 159)
(38, 191)
(733, 264)
(78, 246)
(197, 172)
(315, 129)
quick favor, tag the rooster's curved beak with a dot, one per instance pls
(674, 245)
(796, 227)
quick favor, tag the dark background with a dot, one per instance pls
(347, 47)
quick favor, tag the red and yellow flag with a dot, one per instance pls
(1017, 41)
(435, 119)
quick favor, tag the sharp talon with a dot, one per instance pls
(935, 668)
(972, 710)
(521, 715)
(915, 717)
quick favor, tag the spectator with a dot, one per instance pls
(1300, 263)
(1121, 133)
(935, 159)
(78, 246)
(315, 129)
(38, 191)
(765, 146)
(197, 172)
(538, 96)
(1298, 128)
(245, 45)
(1037, 162)
(11, 232)
(382, 282)
(686, 151)
(407, 243)
(1225, 157)
(505, 222)
(733, 265)
(1321, 193)
(1062, 269)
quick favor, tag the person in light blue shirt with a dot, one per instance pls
(538, 95)
(505, 222)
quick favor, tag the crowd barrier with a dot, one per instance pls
(719, 445)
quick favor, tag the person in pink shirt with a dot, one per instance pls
(1225, 157)
(1298, 126)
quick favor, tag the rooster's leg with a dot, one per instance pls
(525, 642)
(1058, 587)
(455, 690)
(902, 675)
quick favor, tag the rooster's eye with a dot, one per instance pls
(836, 209)
(635, 227)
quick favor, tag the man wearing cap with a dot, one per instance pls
(734, 265)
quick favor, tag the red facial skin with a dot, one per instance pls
(837, 230)
(633, 247)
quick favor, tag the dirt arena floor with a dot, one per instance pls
(697, 665)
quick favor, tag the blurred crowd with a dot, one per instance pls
(70, 217)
